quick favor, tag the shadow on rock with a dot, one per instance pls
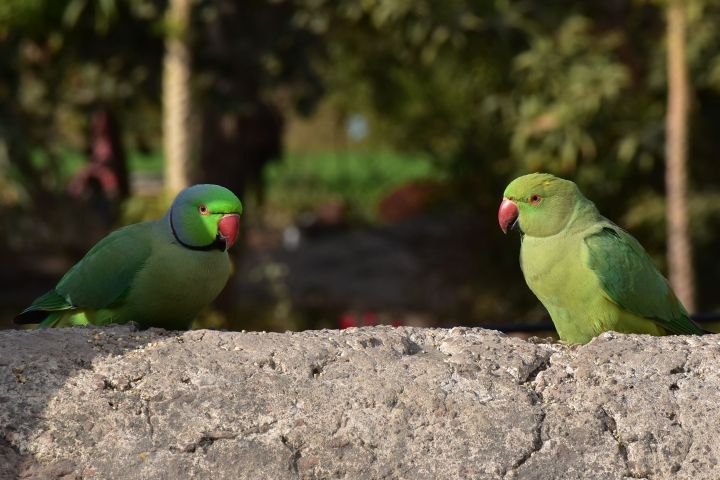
(359, 403)
(35, 368)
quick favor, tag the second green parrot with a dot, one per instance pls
(590, 274)
(159, 273)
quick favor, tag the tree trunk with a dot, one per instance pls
(679, 247)
(176, 97)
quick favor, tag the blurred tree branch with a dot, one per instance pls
(176, 97)
(679, 243)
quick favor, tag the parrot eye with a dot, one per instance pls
(203, 210)
(535, 199)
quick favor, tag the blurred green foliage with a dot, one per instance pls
(576, 88)
(496, 88)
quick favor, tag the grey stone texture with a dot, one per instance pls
(381, 402)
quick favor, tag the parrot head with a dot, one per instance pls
(205, 217)
(539, 204)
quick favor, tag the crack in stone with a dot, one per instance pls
(610, 425)
(536, 400)
(537, 444)
(674, 388)
(205, 441)
(295, 455)
(537, 440)
(543, 365)
(148, 419)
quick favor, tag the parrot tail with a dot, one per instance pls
(46, 307)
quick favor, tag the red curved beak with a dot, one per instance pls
(229, 227)
(507, 215)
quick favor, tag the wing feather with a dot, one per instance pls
(106, 272)
(629, 278)
(101, 278)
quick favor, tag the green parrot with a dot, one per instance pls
(590, 274)
(159, 273)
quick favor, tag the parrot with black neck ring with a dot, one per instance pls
(159, 273)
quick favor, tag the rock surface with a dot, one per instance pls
(379, 402)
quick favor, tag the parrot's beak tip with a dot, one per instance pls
(508, 215)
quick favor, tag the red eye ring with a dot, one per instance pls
(203, 210)
(535, 199)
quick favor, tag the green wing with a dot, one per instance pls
(100, 279)
(630, 279)
(107, 271)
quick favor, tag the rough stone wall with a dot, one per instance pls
(403, 403)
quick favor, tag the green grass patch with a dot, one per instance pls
(145, 162)
(299, 182)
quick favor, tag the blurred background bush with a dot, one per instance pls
(371, 141)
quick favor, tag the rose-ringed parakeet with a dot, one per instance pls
(159, 273)
(590, 274)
